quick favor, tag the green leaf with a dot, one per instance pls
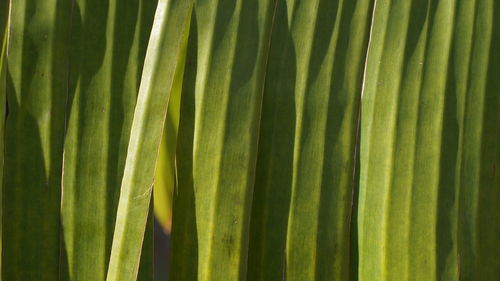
(34, 131)
(428, 67)
(108, 40)
(216, 154)
(162, 60)
(307, 140)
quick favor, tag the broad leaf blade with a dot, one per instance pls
(220, 112)
(162, 60)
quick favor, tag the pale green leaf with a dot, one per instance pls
(162, 60)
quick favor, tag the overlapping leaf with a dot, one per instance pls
(267, 137)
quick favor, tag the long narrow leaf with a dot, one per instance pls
(162, 60)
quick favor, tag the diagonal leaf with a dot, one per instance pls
(220, 112)
(108, 42)
(34, 131)
(162, 60)
(307, 141)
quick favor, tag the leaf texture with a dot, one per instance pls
(261, 149)
(307, 140)
(427, 143)
(216, 153)
(407, 225)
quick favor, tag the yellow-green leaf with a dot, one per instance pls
(429, 143)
